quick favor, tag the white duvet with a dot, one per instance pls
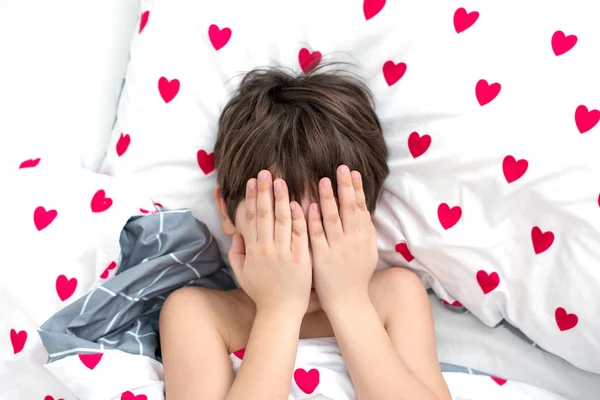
(60, 239)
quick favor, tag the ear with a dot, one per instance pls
(226, 223)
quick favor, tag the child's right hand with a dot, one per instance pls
(271, 261)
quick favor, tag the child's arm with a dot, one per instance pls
(404, 351)
(272, 264)
(268, 364)
(196, 360)
(344, 248)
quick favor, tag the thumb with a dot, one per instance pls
(237, 254)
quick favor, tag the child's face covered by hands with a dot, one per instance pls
(341, 242)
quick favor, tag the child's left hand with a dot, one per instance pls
(344, 247)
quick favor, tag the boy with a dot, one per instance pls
(288, 156)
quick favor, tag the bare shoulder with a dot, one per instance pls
(230, 311)
(390, 286)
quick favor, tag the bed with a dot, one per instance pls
(490, 111)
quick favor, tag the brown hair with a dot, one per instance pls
(301, 128)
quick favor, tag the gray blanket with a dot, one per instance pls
(159, 254)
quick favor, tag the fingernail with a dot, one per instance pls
(251, 184)
(345, 170)
(262, 176)
(326, 183)
(292, 206)
(277, 185)
(355, 176)
(315, 207)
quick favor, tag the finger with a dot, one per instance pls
(264, 207)
(315, 229)
(329, 210)
(299, 237)
(250, 206)
(364, 216)
(237, 255)
(348, 208)
(283, 217)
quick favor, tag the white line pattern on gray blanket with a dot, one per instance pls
(125, 311)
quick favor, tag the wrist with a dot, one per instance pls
(281, 312)
(348, 303)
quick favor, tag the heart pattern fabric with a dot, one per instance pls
(168, 88)
(562, 43)
(65, 226)
(393, 72)
(463, 19)
(219, 37)
(18, 340)
(469, 121)
(308, 60)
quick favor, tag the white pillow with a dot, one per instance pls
(459, 93)
(63, 63)
(60, 237)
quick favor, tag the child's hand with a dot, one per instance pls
(344, 249)
(272, 262)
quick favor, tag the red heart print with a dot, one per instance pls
(18, 339)
(65, 287)
(308, 61)
(48, 397)
(240, 353)
(513, 169)
(599, 200)
(487, 282)
(219, 37)
(110, 267)
(541, 240)
(33, 162)
(464, 20)
(562, 43)
(91, 360)
(393, 72)
(43, 218)
(123, 144)
(168, 88)
(130, 396)
(372, 7)
(100, 202)
(307, 381)
(417, 144)
(485, 92)
(499, 381)
(455, 303)
(206, 161)
(564, 320)
(448, 216)
(586, 119)
(144, 20)
(402, 248)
